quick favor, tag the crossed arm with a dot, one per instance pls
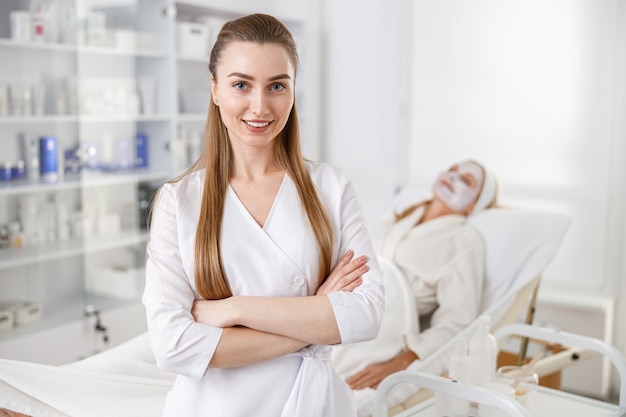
(262, 328)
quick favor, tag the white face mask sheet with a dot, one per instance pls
(456, 193)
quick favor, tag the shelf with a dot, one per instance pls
(11, 258)
(65, 311)
(114, 118)
(73, 49)
(193, 59)
(38, 46)
(192, 117)
(86, 179)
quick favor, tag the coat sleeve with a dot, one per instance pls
(358, 313)
(180, 345)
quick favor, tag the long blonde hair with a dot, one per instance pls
(210, 278)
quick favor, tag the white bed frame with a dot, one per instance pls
(547, 402)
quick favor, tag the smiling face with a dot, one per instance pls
(254, 89)
(459, 187)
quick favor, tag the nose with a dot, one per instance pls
(258, 103)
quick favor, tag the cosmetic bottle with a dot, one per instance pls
(447, 405)
(48, 158)
(141, 150)
(483, 350)
(31, 156)
(459, 371)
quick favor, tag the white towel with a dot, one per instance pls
(123, 381)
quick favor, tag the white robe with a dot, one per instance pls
(443, 262)
(279, 259)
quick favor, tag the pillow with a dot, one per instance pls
(519, 245)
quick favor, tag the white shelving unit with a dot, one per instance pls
(98, 261)
(103, 239)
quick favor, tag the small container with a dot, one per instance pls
(16, 237)
(20, 25)
(193, 39)
(24, 312)
(31, 152)
(483, 351)
(125, 153)
(72, 161)
(523, 381)
(141, 151)
(18, 170)
(6, 173)
(48, 158)
(4, 236)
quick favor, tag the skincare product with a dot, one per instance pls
(27, 101)
(16, 98)
(16, 237)
(39, 99)
(23, 311)
(48, 158)
(125, 153)
(20, 25)
(18, 170)
(37, 14)
(458, 371)
(30, 147)
(483, 350)
(141, 150)
(147, 95)
(5, 171)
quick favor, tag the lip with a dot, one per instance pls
(256, 125)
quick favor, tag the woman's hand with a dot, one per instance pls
(373, 374)
(218, 313)
(346, 275)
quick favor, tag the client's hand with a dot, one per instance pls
(6, 413)
(373, 374)
(346, 275)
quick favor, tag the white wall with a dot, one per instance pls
(362, 82)
(535, 89)
(529, 88)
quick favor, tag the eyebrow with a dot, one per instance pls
(249, 77)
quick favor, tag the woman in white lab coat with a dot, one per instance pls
(250, 272)
(443, 259)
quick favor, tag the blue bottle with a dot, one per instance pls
(48, 158)
(141, 149)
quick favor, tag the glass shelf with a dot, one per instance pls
(51, 119)
(11, 258)
(85, 179)
(74, 49)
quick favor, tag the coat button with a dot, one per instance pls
(299, 281)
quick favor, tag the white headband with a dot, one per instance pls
(488, 192)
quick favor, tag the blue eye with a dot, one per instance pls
(278, 87)
(240, 85)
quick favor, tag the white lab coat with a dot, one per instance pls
(279, 259)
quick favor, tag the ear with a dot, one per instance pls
(213, 89)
